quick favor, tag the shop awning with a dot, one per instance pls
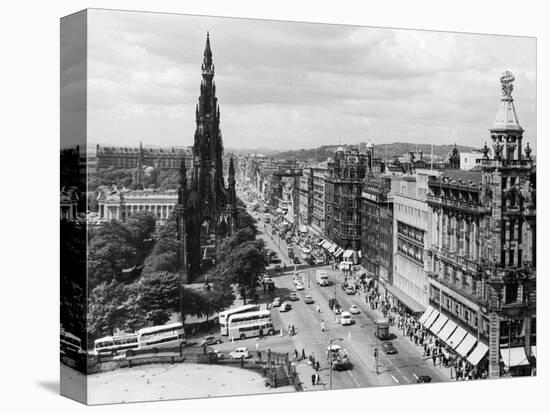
(438, 324)
(514, 357)
(426, 314)
(431, 319)
(320, 242)
(348, 254)
(534, 351)
(457, 337)
(338, 252)
(402, 297)
(466, 345)
(326, 244)
(479, 352)
(447, 330)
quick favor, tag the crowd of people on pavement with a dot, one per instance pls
(432, 346)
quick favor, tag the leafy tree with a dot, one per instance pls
(111, 307)
(159, 294)
(243, 266)
(168, 179)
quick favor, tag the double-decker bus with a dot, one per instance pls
(113, 344)
(224, 316)
(172, 334)
(69, 343)
(248, 325)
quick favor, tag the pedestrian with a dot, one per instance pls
(433, 358)
(318, 309)
(303, 353)
(323, 326)
(313, 379)
(296, 354)
(257, 345)
(268, 355)
(317, 365)
(317, 378)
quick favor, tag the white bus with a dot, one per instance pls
(172, 334)
(112, 345)
(247, 325)
(224, 316)
(69, 343)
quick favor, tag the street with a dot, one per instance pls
(357, 339)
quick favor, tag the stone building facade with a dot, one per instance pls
(482, 247)
(377, 229)
(343, 186)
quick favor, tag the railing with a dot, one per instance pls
(464, 262)
(463, 205)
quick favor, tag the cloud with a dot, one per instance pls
(284, 85)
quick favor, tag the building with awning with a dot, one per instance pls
(446, 332)
(338, 252)
(478, 353)
(431, 319)
(457, 337)
(466, 345)
(514, 357)
(348, 254)
(405, 300)
(425, 315)
(438, 324)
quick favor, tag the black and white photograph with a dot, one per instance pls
(257, 206)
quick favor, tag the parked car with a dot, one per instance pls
(239, 353)
(276, 302)
(309, 300)
(354, 310)
(424, 378)
(211, 340)
(389, 348)
(293, 296)
(318, 260)
(277, 267)
(285, 307)
(299, 286)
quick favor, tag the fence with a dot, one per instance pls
(275, 367)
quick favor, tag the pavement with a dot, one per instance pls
(169, 382)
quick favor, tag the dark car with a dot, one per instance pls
(389, 348)
(424, 378)
(295, 260)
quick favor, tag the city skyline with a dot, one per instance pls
(287, 86)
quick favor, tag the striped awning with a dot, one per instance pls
(431, 319)
(426, 314)
(338, 252)
(447, 330)
(348, 254)
(457, 337)
(478, 353)
(438, 324)
(466, 345)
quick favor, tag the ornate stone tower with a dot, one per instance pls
(205, 199)
(508, 190)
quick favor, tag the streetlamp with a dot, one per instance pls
(331, 359)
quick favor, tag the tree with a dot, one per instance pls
(159, 294)
(111, 307)
(243, 266)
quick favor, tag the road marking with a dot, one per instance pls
(353, 377)
(414, 375)
(395, 379)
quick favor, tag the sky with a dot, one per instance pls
(286, 85)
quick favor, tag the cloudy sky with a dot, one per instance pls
(284, 85)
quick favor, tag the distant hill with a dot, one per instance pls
(385, 151)
(246, 151)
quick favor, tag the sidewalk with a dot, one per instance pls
(305, 371)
